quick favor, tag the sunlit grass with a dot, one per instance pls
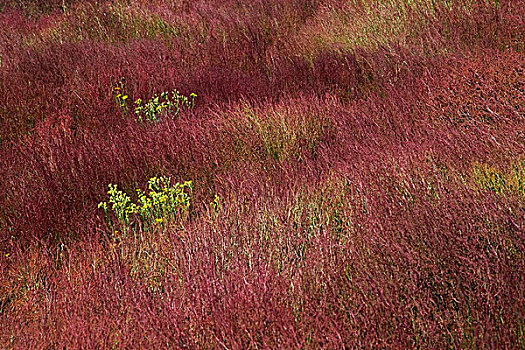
(357, 174)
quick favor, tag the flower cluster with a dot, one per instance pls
(119, 94)
(167, 102)
(163, 201)
(159, 105)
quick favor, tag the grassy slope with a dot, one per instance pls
(368, 158)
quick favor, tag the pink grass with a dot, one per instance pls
(351, 214)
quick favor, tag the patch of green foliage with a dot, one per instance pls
(151, 110)
(511, 180)
(164, 103)
(163, 202)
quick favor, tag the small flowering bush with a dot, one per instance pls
(151, 110)
(161, 104)
(163, 202)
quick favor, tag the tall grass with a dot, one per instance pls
(357, 172)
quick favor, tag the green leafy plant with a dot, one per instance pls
(161, 104)
(162, 202)
(151, 110)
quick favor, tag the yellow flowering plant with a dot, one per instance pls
(160, 104)
(160, 203)
(151, 110)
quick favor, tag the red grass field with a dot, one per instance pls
(357, 168)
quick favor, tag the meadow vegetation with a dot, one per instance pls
(282, 174)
